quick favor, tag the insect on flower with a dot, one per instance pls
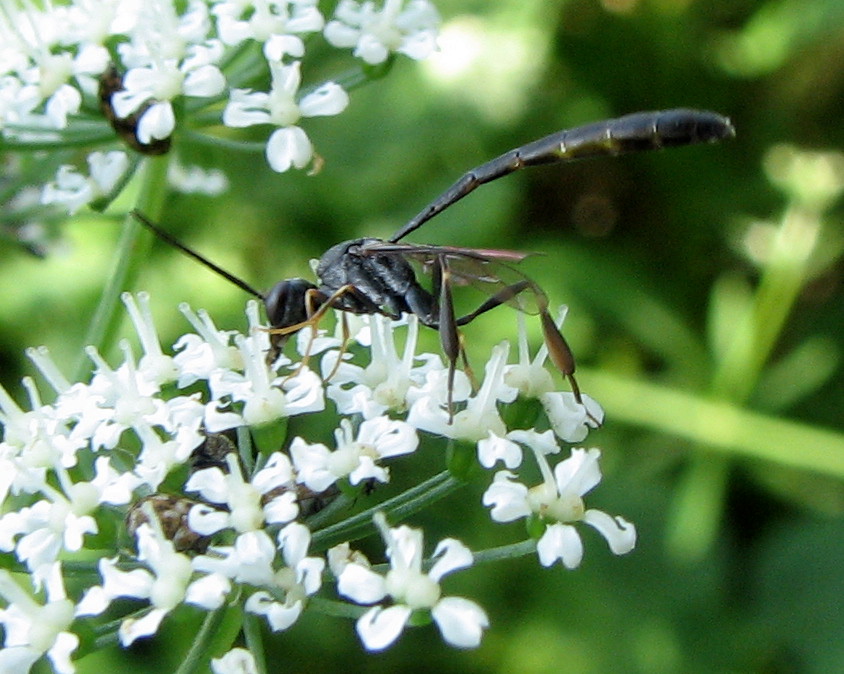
(373, 276)
(111, 82)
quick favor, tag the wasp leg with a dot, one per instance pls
(561, 355)
(501, 297)
(345, 331)
(449, 335)
(315, 313)
(317, 305)
(466, 367)
(558, 349)
(314, 301)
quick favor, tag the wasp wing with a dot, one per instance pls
(490, 271)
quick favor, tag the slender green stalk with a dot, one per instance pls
(723, 428)
(254, 641)
(199, 655)
(512, 551)
(130, 256)
(397, 509)
(336, 609)
(701, 498)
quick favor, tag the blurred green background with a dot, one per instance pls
(704, 287)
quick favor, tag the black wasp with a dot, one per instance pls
(373, 276)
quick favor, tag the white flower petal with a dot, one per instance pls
(380, 627)
(340, 35)
(329, 99)
(277, 472)
(205, 81)
(452, 555)
(578, 474)
(288, 147)
(544, 442)
(107, 168)
(205, 520)
(64, 102)
(246, 108)
(210, 483)
(281, 509)
(460, 621)
(279, 46)
(124, 103)
(157, 122)
(236, 661)
(59, 653)
(419, 46)
(370, 49)
(93, 602)
(560, 541)
(294, 540)
(209, 592)
(368, 470)
(361, 584)
(311, 461)
(507, 497)
(278, 615)
(135, 583)
(309, 574)
(390, 437)
(493, 449)
(217, 421)
(571, 420)
(619, 533)
(132, 629)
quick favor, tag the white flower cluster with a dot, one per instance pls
(151, 67)
(72, 469)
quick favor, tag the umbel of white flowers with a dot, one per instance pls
(158, 67)
(74, 467)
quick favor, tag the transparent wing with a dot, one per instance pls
(490, 271)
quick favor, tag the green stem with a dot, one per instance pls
(396, 509)
(82, 138)
(698, 507)
(131, 255)
(254, 641)
(336, 609)
(512, 551)
(722, 428)
(784, 275)
(199, 655)
(701, 499)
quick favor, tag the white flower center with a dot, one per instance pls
(283, 109)
(413, 588)
(84, 498)
(343, 461)
(168, 589)
(245, 503)
(544, 501)
(168, 82)
(55, 71)
(53, 618)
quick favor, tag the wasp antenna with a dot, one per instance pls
(169, 238)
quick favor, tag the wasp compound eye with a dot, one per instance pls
(286, 302)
